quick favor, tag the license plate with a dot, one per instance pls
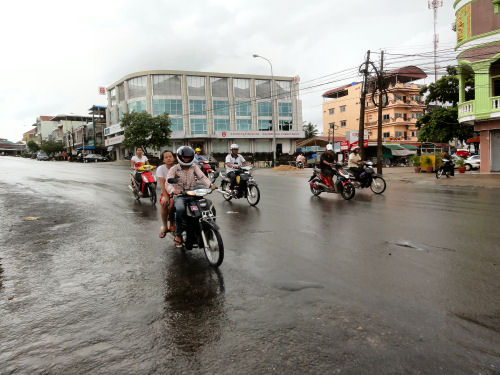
(194, 208)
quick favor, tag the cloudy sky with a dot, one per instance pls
(57, 53)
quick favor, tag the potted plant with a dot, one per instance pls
(416, 162)
(428, 162)
(461, 165)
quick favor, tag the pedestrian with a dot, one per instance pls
(166, 201)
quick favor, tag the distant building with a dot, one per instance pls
(478, 54)
(30, 135)
(10, 148)
(44, 127)
(341, 109)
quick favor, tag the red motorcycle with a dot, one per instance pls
(207, 170)
(148, 185)
(318, 183)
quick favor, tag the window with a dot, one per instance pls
(221, 108)
(112, 117)
(496, 87)
(283, 89)
(112, 94)
(342, 108)
(221, 124)
(398, 115)
(243, 109)
(167, 84)
(120, 113)
(198, 125)
(264, 109)
(285, 125)
(386, 117)
(417, 133)
(170, 106)
(413, 115)
(285, 109)
(419, 115)
(121, 92)
(219, 87)
(136, 87)
(243, 124)
(177, 123)
(265, 125)
(263, 88)
(399, 134)
(138, 106)
(241, 88)
(343, 123)
(413, 133)
(196, 85)
(387, 135)
(331, 111)
(197, 107)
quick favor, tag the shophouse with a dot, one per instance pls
(44, 127)
(210, 110)
(478, 54)
(30, 135)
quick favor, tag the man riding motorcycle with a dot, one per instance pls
(233, 161)
(327, 163)
(355, 163)
(198, 157)
(187, 173)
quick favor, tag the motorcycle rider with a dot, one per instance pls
(327, 163)
(187, 173)
(198, 157)
(233, 161)
(166, 202)
(300, 159)
(355, 163)
(138, 160)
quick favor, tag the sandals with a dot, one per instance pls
(178, 242)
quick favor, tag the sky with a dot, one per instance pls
(57, 53)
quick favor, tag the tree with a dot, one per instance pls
(143, 130)
(33, 146)
(50, 147)
(441, 124)
(310, 130)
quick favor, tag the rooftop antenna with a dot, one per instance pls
(434, 5)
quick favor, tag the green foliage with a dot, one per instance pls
(441, 125)
(33, 146)
(142, 129)
(460, 162)
(446, 89)
(415, 160)
(50, 147)
(310, 130)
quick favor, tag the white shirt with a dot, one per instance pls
(238, 160)
(353, 159)
(136, 161)
(162, 172)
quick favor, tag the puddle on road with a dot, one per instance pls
(295, 286)
(416, 246)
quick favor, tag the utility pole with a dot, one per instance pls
(381, 88)
(361, 136)
(435, 4)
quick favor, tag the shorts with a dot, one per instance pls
(327, 172)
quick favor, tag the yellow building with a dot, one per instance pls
(341, 107)
(30, 136)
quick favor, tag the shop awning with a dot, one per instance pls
(85, 148)
(397, 150)
(410, 147)
(473, 140)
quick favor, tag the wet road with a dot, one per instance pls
(407, 282)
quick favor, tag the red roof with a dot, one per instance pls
(338, 89)
(32, 131)
(46, 118)
(473, 140)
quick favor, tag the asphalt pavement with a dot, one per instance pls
(405, 282)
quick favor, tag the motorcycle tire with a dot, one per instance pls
(315, 192)
(223, 187)
(211, 177)
(253, 195)
(348, 191)
(152, 194)
(378, 185)
(448, 174)
(215, 250)
(439, 173)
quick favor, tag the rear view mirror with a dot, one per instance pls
(173, 180)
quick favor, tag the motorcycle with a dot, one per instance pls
(447, 168)
(318, 183)
(245, 186)
(199, 229)
(207, 170)
(148, 188)
(368, 178)
(300, 164)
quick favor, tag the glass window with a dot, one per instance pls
(399, 134)
(419, 115)
(197, 107)
(412, 133)
(385, 117)
(285, 125)
(285, 109)
(219, 87)
(136, 87)
(243, 124)
(342, 108)
(263, 88)
(138, 106)
(398, 115)
(283, 89)
(167, 84)
(243, 109)
(244, 145)
(343, 123)
(120, 113)
(221, 124)
(198, 125)
(177, 123)
(263, 145)
(387, 135)
(121, 93)
(112, 94)
(220, 107)
(220, 146)
(265, 125)
(265, 109)
(112, 116)
(331, 111)
(241, 88)
(170, 106)
(196, 86)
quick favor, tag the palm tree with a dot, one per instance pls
(310, 130)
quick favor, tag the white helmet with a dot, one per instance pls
(329, 147)
(185, 152)
(234, 146)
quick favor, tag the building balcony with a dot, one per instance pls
(479, 109)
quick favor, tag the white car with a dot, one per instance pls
(473, 162)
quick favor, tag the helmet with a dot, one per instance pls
(329, 147)
(197, 149)
(355, 148)
(234, 146)
(185, 152)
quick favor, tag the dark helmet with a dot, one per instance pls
(185, 152)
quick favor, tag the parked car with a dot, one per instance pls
(473, 162)
(94, 158)
(41, 155)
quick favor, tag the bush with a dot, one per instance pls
(415, 159)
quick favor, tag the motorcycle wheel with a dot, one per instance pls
(439, 173)
(315, 192)
(348, 191)
(223, 187)
(211, 177)
(215, 250)
(152, 194)
(253, 195)
(378, 185)
(447, 174)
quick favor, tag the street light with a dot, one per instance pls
(272, 104)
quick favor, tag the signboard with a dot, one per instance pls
(353, 135)
(113, 129)
(336, 147)
(344, 145)
(354, 144)
(260, 134)
(102, 90)
(393, 139)
(114, 140)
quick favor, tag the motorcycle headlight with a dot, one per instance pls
(202, 192)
